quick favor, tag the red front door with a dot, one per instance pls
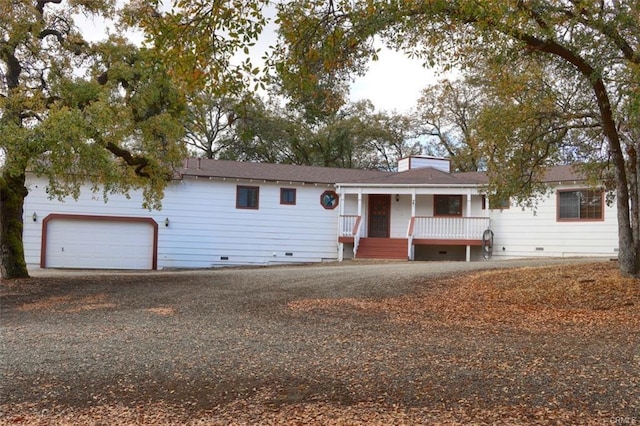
(379, 216)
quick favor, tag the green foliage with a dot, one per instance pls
(355, 137)
(448, 113)
(107, 113)
(204, 44)
(561, 78)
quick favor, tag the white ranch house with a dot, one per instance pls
(223, 213)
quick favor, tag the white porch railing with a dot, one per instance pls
(350, 227)
(347, 224)
(447, 228)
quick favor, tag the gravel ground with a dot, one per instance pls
(204, 340)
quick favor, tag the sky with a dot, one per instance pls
(393, 82)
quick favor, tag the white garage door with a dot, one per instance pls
(99, 244)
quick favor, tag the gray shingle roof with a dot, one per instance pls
(273, 172)
(332, 175)
(424, 176)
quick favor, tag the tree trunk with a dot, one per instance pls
(12, 195)
(627, 259)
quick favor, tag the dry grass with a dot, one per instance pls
(591, 297)
(162, 311)
(538, 299)
(69, 304)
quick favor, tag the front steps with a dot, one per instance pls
(382, 248)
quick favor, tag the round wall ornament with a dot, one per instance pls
(329, 200)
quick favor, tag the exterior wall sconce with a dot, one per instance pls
(166, 222)
(397, 197)
(34, 216)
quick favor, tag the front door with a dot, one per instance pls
(379, 215)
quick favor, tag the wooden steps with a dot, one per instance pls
(382, 248)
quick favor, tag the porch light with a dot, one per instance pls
(397, 197)
(166, 222)
(34, 217)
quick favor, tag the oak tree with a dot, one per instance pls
(448, 114)
(210, 124)
(104, 113)
(595, 42)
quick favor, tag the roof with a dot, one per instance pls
(273, 172)
(200, 167)
(424, 176)
(563, 174)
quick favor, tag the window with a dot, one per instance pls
(581, 204)
(247, 197)
(448, 205)
(498, 204)
(495, 204)
(288, 196)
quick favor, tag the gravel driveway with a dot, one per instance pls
(202, 339)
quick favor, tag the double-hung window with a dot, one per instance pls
(580, 204)
(247, 197)
(288, 196)
(447, 205)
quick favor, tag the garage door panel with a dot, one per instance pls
(101, 244)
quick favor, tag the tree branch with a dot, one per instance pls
(48, 32)
(610, 32)
(41, 4)
(139, 162)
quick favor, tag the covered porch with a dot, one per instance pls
(411, 222)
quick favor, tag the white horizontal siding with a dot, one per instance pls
(205, 225)
(525, 233)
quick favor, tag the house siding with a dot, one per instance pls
(204, 224)
(522, 232)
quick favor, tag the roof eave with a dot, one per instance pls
(410, 185)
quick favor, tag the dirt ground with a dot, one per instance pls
(399, 343)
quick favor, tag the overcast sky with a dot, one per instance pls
(392, 83)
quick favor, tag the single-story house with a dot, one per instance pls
(219, 213)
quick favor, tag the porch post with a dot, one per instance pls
(412, 249)
(341, 207)
(467, 231)
(413, 203)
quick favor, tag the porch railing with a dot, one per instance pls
(447, 228)
(350, 227)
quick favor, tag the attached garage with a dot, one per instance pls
(99, 242)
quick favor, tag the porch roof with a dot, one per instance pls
(427, 176)
(430, 177)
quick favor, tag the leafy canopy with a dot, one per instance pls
(104, 112)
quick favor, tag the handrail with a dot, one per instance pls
(410, 229)
(356, 235)
(356, 226)
(347, 225)
(350, 227)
